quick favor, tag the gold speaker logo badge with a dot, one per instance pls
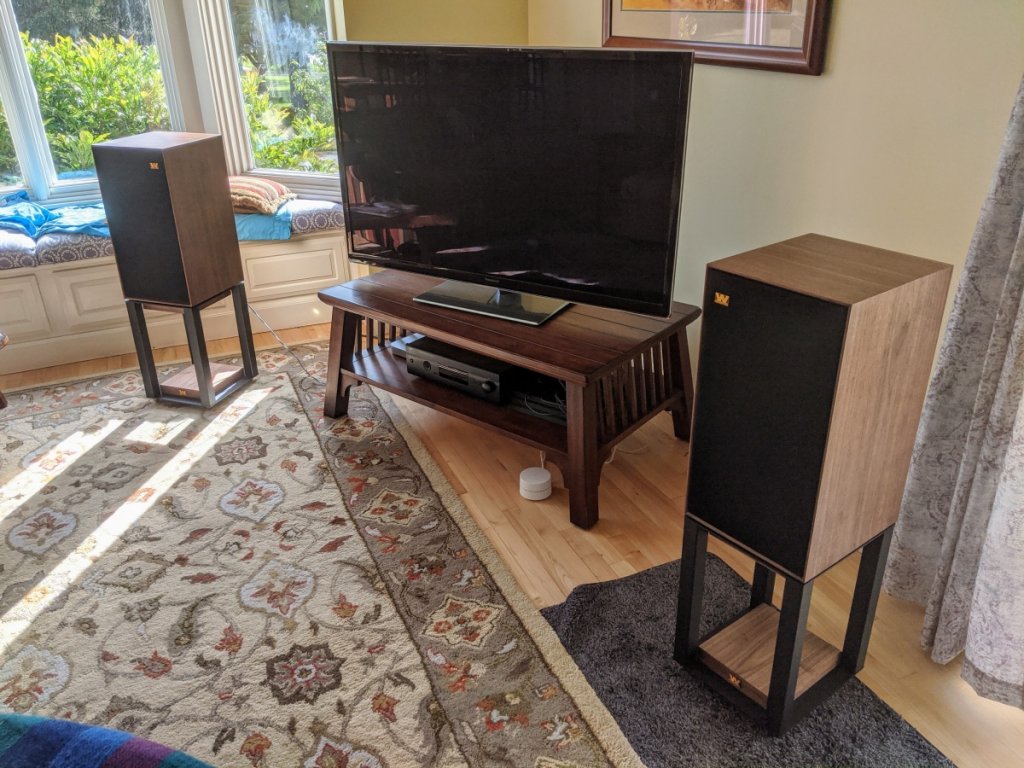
(722, 298)
(154, 166)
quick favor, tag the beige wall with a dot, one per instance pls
(565, 23)
(482, 22)
(893, 146)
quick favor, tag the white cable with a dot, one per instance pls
(283, 344)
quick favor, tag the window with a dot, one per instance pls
(282, 66)
(76, 71)
(10, 174)
(96, 72)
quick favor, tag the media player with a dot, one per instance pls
(474, 374)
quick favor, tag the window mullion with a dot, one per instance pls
(220, 67)
(164, 46)
(18, 93)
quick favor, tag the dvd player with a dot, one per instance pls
(466, 371)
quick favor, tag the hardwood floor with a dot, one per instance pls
(642, 491)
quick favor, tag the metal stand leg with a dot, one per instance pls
(143, 348)
(789, 645)
(691, 590)
(200, 357)
(763, 588)
(865, 600)
(244, 331)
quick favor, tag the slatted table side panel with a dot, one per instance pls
(641, 385)
(373, 336)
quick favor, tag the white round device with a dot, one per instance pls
(535, 483)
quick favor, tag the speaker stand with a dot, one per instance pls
(204, 384)
(765, 661)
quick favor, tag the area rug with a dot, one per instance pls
(621, 632)
(258, 586)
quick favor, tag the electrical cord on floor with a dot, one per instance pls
(290, 351)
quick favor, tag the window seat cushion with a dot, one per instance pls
(60, 248)
(18, 250)
(315, 216)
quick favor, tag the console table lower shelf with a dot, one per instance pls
(619, 370)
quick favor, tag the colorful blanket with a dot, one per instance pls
(27, 741)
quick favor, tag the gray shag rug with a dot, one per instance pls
(621, 632)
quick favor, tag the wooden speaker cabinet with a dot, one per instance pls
(814, 360)
(169, 210)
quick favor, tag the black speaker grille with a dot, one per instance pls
(765, 385)
(141, 219)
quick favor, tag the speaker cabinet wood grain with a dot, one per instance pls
(169, 210)
(814, 360)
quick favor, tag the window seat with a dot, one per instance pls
(17, 250)
(61, 302)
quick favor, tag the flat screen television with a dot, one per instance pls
(557, 173)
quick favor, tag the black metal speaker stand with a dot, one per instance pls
(206, 383)
(765, 661)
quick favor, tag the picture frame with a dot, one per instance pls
(780, 35)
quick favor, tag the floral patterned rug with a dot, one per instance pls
(258, 586)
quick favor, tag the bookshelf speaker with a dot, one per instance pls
(814, 360)
(168, 206)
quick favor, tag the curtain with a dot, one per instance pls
(958, 547)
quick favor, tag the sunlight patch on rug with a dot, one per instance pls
(45, 463)
(50, 526)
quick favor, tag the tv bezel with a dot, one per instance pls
(389, 258)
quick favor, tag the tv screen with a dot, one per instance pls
(553, 172)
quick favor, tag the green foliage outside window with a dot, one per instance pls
(94, 88)
(89, 90)
(9, 173)
(285, 136)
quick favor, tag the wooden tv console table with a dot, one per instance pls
(619, 370)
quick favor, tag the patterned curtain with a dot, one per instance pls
(959, 542)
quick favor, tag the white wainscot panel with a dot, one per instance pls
(299, 271)
(22, 310)
(91, 296)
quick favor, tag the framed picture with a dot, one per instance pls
(784, 35)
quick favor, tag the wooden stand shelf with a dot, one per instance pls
(742, 654)
(619, 370)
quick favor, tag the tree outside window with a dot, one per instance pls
(282, 63)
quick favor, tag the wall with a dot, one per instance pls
(893, 146)
(482, 22)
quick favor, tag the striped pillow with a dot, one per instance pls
(250, 194)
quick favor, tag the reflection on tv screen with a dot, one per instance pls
(552, 171)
